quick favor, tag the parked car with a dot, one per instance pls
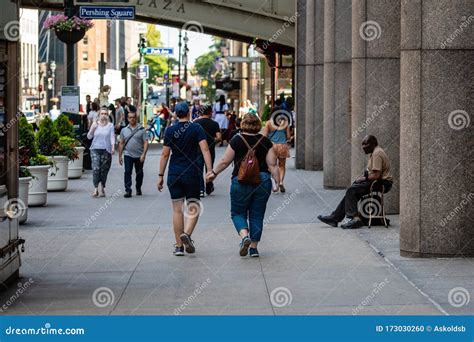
(32, 117)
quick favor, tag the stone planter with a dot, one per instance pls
(70, 37)
(58, 173)
(38, 190)
(23, 198)
(75, 166)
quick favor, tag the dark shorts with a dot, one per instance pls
(181, 186)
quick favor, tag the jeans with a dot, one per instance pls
(248, 204)
(348, 205)
(101, 162)
(129, 163)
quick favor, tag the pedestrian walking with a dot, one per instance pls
(219, 115)
(102, 148)
(213, 136)
(119, 116)
(254, 160)
(277, 129)
(93, 114)
(183, 141)
(134, 145)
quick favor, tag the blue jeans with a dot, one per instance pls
(248, 204)
(129, 163)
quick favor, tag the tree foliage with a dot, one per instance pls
(64, 126)
(47, 137)
(157, 64)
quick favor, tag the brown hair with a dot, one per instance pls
(250, 123)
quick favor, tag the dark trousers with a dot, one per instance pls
(348, 205)
(129, 164)
(202, 166)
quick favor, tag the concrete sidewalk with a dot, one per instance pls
(121, 261)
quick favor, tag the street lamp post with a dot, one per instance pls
(179, 56)
(185, 56)
(52, 67)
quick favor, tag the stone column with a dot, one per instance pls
(300, 97)
(436, 136)
(337, 83)
(309, 85)
(376, 85)
(318, 88)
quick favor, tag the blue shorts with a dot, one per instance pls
(183, 186)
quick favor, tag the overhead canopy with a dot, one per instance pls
(245, 20)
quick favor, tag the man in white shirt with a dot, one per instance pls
(54, 113)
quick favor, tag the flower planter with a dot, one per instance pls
(75, 166)
(38, 190)
(23, 198)
(58, 182)
(70, 37)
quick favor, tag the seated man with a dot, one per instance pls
(378, 169)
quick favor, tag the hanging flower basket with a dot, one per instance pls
(70, 37)
(68, 30)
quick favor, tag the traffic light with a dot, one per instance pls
(102, 67)
(142, 44)
(124, 71)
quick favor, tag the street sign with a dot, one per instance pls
(158, 51)
(240, 59)
(142, 71)
(107, 12)
(70, 99)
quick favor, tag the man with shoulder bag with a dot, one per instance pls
(134, 145)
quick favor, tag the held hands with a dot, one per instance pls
(142, 158)
(210, 176)
(120, 160)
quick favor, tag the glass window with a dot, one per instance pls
(85, 56)
(85, 40)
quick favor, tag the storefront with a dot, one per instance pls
(10, 241)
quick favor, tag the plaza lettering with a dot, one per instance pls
(166, 5)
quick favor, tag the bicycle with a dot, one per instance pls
(153, 130)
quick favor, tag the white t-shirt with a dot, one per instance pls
(54, 113)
